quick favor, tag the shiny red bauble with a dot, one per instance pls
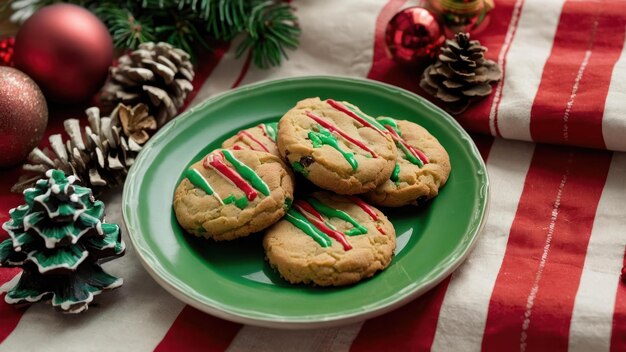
(413, 36)
(23, 116)
(66, 50)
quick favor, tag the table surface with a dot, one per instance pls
(545, 273)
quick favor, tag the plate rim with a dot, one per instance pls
(409, 293)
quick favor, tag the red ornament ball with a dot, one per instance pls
(23, 116)
(66, 50)
(413, 36)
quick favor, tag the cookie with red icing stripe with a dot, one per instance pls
(422, 167)
(330, 240)
(336, 146)
(261, 137)
(233, 193)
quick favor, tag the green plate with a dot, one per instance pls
(232, 280)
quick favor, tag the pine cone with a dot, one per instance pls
(136, 122)
(157, 75)
(99, 158)
(461, 74)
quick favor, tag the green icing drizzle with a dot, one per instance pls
(409, 156)
(365, 116)
(325, 137)
(288, 202)
(298, 220)
(271, 128)
(391, 122)
(395, 173)
(247, 173)
(358, 229)
(298, 167)
(195, 177)
(241, 202)
(388, 121)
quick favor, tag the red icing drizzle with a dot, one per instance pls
(316, 219)
(416, 153)
(237, 147)
(263, 128)
(366, 208)
(309, 209)
(217, 162)
(341, 133)
(247, 134)
(338, 106)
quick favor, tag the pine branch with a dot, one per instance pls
(269, 27)
(127, 30)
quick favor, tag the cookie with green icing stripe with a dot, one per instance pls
(261, 137)
(233, 193)
(330, 240)
(422, 166)
(336, 146)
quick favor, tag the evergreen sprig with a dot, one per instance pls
(268, 27)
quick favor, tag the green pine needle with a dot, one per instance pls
(268, 27)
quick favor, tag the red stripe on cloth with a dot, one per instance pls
(533, 298)
(497, 37)
(569, 104)
(206, 63)
(197, 331)
(618, 333)
(412, 327)
(409, 328)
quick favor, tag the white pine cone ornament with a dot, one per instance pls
(461, 74)
(157, 75)
(100, 156)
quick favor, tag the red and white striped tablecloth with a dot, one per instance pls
(544, 275)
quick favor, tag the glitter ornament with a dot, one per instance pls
(413, 36)
(23, 116)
